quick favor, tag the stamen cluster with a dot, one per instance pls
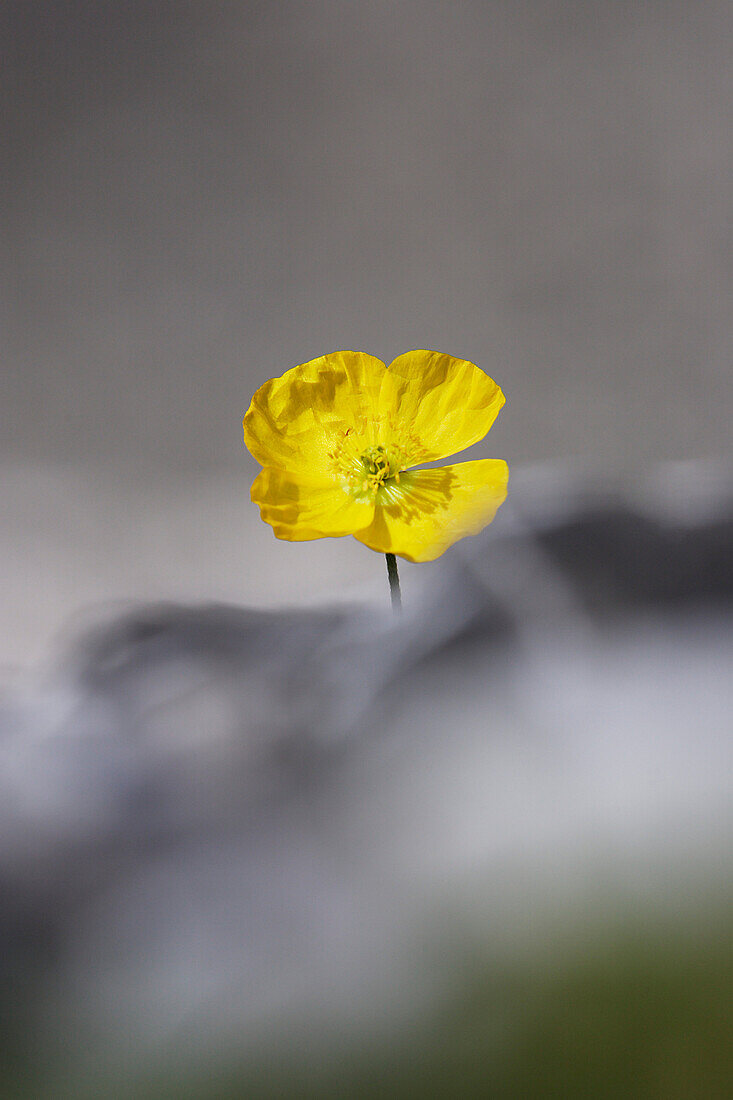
(365, 466)
(378, 468)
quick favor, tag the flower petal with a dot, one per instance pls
(448, 403)
(431, 509)
(299, 507)
(293, 420)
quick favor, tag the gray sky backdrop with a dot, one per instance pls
(197, 196)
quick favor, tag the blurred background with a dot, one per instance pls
(256, 837)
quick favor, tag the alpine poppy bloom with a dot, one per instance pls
(339, 437)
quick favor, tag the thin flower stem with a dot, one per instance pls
(394, 583)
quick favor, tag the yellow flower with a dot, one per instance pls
(338, 438)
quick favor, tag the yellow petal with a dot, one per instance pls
(448, 403)
(299, 507)
(294, 421)
(429, 510)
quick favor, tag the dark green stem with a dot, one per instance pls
(394, 582)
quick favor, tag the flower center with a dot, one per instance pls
(364, 467)
(378, 468)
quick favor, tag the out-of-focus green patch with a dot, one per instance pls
(642, 1015)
